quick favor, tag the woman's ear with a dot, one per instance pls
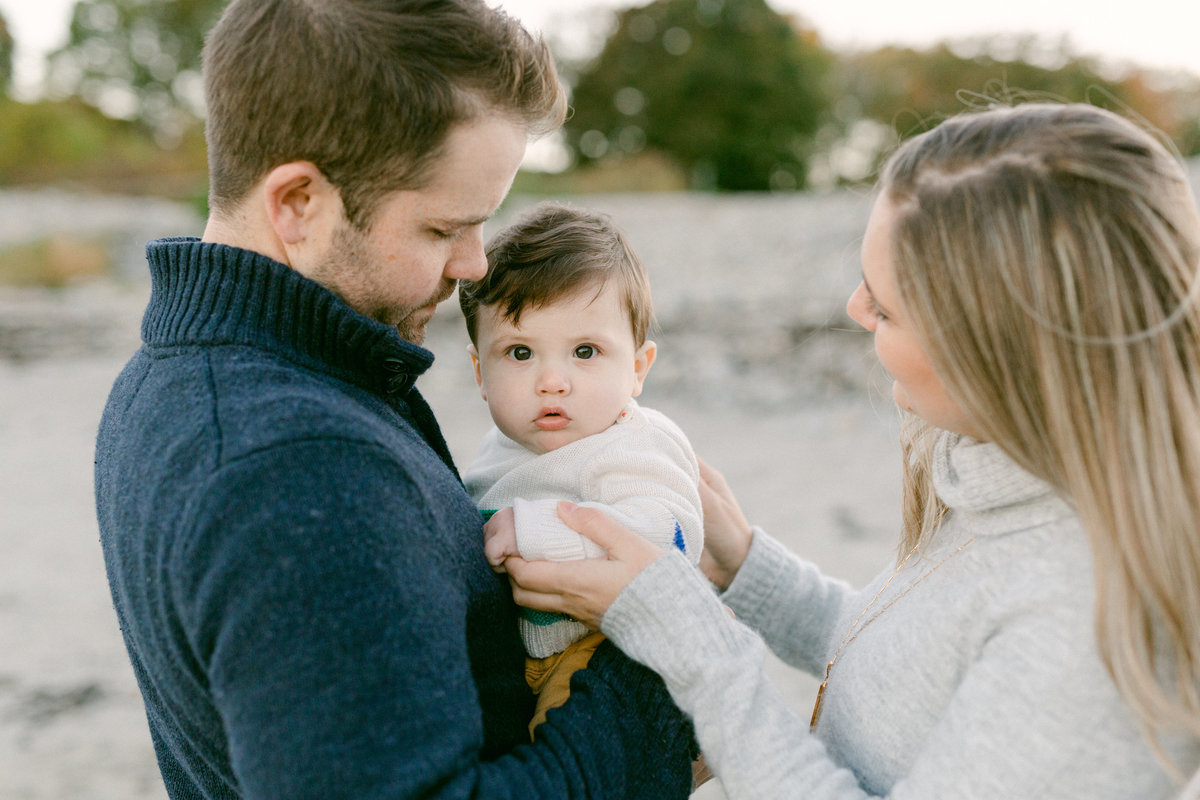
(643, 359)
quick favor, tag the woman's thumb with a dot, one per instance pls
(591, 522)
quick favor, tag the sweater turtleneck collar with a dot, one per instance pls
(205, 293)
(977, 478)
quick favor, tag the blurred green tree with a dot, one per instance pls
(136, 59)
(6, 56)
(926, 86)
(72, 144)
(895, 92)
(729, 89)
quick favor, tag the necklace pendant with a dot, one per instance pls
(816, 715)
(856, 628)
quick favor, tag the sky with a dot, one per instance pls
(1161, 34)
(1157, 34)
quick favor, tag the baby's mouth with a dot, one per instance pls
(552, 419)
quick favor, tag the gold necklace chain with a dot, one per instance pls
(856, 629)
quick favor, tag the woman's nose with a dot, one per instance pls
(856, 307)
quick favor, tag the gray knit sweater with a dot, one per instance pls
(984, 681)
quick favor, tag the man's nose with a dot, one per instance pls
(468, 261)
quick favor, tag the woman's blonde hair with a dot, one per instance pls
(1047, 256)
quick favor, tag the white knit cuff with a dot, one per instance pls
(542, 640)
(543, 536)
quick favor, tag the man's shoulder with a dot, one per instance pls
(260, 387)
(250, 426)
(250, 400)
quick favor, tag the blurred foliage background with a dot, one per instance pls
(716, 95)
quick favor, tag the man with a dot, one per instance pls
(297, 570)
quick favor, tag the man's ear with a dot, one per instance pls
(303, 208)
(474, 354)
(643, 359)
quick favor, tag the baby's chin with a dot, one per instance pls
(543, 442)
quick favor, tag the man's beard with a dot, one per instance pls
(348, 270)
(413, 330)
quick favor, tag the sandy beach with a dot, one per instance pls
(757, 364)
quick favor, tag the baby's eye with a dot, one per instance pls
(876, 311)
(520, 352)
(585, 351)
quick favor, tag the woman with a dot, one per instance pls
(1030, 278)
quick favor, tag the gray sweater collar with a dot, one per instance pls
(978, 480)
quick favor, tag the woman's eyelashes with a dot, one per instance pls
(875, 310)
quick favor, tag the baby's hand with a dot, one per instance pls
(500, 538)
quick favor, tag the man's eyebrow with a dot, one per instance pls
(463, 223)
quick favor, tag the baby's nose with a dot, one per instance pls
(553, 381)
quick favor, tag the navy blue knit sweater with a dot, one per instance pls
(299, 574)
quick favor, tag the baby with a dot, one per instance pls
(558, 340)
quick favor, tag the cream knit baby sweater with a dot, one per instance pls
(641, 471)
(984, 681)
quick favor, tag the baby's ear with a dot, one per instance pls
(474, 354)
(643, 359)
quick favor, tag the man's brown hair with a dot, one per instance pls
(366, 90)
(551, 252)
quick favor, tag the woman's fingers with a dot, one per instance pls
(715, 495)
(542, 577)
(583, 589)
(727, 533)
(591, 522)
(712, 479)
(534, 584)
(620, 543)
(707, 473)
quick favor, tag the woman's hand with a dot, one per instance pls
(582, 589)
(727, 534)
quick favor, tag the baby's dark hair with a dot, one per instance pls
(554, 251)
